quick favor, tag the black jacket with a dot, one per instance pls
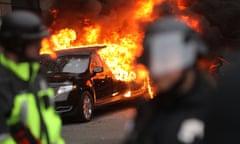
(170, 118)
(223, 119)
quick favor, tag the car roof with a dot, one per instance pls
(83, 50)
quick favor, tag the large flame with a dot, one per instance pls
(194, 23)
(123, 43)
(181, 4)
(122, 47)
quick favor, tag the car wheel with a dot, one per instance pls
(86, 107)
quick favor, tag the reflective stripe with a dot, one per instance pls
(43, 84)
(4, 136)
(6, 139)
(191, 129)
(24, 112)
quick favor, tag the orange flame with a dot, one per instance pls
(145, 9)
(92, 34)
(181, 4)
(63, 39)
(194, 23)
(123, 42)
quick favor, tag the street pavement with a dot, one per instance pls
(109, 126)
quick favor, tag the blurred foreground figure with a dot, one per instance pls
(223, 119)
(27, 115)
(177, 113)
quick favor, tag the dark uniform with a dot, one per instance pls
(223, 119)
(177, 114)
(171, 118)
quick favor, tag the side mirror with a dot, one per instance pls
(98, 69)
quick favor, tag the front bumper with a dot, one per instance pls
(66, 104)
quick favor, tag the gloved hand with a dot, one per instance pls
(22, 134)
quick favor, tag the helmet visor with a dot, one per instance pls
(169, 52)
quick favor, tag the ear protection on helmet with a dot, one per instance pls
(192, 36)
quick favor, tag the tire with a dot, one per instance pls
(85, 107)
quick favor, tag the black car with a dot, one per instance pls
(82, 81)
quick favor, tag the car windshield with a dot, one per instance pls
(66, 64)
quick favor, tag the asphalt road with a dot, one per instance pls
(109, 126)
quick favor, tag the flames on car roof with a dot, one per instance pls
(80, 50)
(83, 50)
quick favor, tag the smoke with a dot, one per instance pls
(223, 15)
(79, 13)
(71, 13)
(219, 19)
(94, 11)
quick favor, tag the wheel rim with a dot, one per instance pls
(87, 107)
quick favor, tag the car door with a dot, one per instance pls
(102, 81)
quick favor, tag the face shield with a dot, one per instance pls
(169, 52)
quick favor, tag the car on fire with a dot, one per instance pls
(82, 81)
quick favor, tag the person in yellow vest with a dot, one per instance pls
(27, 114)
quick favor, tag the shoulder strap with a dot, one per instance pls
(43, 126)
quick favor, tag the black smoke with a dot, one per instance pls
(96, 11)
(224, 16)
(114, 16)
(220, 19)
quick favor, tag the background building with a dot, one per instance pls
(38, 6)
(5, 7)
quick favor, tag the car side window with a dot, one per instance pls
(98, 61)
(95, 62)
(106, 69)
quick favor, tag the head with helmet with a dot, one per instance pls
(20, 35)
(171, 50)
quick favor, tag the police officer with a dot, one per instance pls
(27, 114)
(176, 114)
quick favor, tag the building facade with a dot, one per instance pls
(37, 6)
(5, 7)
